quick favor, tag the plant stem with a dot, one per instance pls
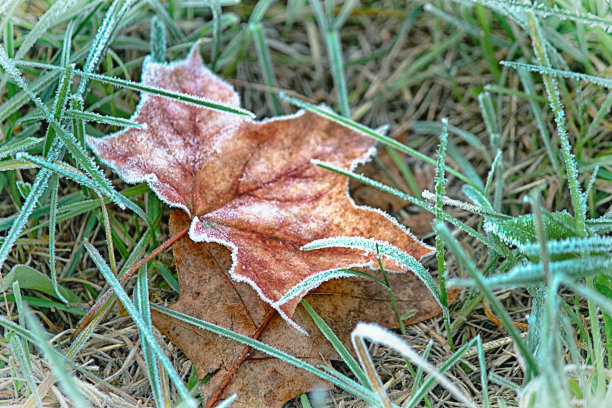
(101, 300)
(228, 376)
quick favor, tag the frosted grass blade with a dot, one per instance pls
(54, 186)
(18, 145)
(315, 280)
(576, 76)
(164, 93)
(158, 39)
(141, 299)
(384, 249)
(98, 118)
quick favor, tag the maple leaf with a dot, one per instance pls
(207, 293)
(251, 186)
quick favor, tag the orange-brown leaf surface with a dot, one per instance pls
(208, 293)
(251, 186)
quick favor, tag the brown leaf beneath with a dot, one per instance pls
(250, 185)
(208, 293)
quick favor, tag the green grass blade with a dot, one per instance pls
(54, 187)
(18, 145)
(265, 62)
(329, 334)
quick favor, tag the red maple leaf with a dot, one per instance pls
(250, 185)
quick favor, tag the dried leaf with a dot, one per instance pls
(249, 185)
(208, 293)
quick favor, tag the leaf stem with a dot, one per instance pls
(228, 376)
(101, 300)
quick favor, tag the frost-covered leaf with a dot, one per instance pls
(520, 230)
(249, 185)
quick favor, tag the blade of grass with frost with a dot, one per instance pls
(562, 13)
(146, 334)
(370, 371)
(102, 40)
(108, 232)
(544, 70)
(67, 43)
(498, 308)
(440, 181)
(385, 249)
(141, 299)
(342, 382)
(7, 165)
(78, 124)
(54, 187)
(421, 204)
(59, 104)
(18, 145)
(67, 171)
(42, 25)
(158, 38)
(56, 361)
(336, 343)
(557, 108)
(594, 244)
(377, 334)
(265, 62)
(527, 83)
(315, 280)
(368, 132)
(532, 273)
(164, 93)
(104, 119)
(163, 19)
(40, 182)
